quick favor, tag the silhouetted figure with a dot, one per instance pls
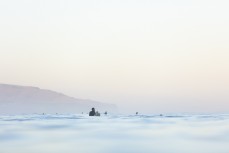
(136, 113)
(97, 113)
(92, 112)
(105, 113)
(161, 115)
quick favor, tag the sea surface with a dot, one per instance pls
(75, 133)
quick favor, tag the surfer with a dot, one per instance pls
(97, 113)
(92, 112)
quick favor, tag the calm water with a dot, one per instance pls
(114, 134)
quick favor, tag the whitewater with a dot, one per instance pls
(79, 133)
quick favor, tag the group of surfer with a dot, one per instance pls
(95, 113)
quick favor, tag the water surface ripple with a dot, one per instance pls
(74, 133)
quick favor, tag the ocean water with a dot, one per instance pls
(74, 133)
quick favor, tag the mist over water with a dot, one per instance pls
(114, 133)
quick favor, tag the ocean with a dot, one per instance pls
(78, 133)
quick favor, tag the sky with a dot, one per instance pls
(167, 56)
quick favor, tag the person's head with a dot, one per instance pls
(93, 109)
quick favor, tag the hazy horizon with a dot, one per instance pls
(145, 56)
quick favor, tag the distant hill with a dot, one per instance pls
(16, 99)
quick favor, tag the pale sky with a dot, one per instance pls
(143, 55)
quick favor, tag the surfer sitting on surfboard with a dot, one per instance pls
(92, 112)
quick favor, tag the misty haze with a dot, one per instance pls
(114, 76)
